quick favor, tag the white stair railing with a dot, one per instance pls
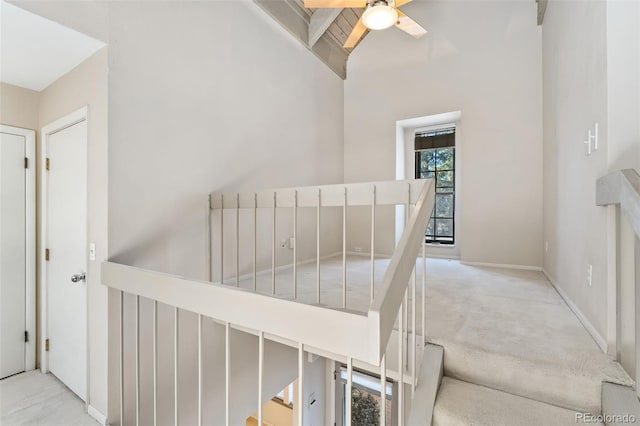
(362, 340)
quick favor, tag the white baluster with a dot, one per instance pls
(260, 375)
(318, 246)
(237, 240)
(348, 398)
(137, 354)
(373, 244)
(200, 372)
(176, 327)
(295, 245)
(383, 392)
(155, 362)
(344, 250)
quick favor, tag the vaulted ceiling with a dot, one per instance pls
(324, 31)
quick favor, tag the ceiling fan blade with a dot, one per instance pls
(409, 26)
(320, 4)
(402, 2)
(356, 35)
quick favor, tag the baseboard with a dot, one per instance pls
(278, 268)
(503, 266)
(442, 256)
(600, 341)
(367, 255)
(97, 415)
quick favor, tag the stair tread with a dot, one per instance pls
(462, 403)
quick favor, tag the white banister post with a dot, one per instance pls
(221, 239)
(300, 396)
(373, 244)
(295, 245)
(344, 250)
(348, 398)
(260, 375)
(155, 362)
(137, 353)
(210, 240)
(318, 246)
(405, 336)
(273, 248)
(424, 295)
(383, 391)
(227, 376)
(200, 367)
(401, 365)
(237, 239)
(413, 332)
(255, 240)
(176, 327)
(121, 358)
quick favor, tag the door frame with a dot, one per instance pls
(58, 125)
(30, 241)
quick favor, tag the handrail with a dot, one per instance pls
(384, 309)
(621, 187)
(363, 337)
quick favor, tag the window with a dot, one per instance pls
(366, 399)
(435, 158)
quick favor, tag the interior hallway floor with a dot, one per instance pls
(37, 399)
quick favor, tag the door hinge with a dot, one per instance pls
(26, 336)
(26, 163)
(335, 375)
(47, 163)
(46, 345)
(46, 254)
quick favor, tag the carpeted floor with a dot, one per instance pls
(501, 328)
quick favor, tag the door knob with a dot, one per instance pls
(78, 277)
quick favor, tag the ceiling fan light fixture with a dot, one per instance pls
(379, 16)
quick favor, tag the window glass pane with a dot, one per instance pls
(427, 175)
(444, 205)
(444, 227)
(430, 227)
(444, 179)
(445, 190)
(444, 159)
(428, 160)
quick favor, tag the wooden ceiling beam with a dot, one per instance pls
(321, 20)
(293, 17)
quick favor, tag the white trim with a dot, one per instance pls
(97, 415)
(443, 256)
(600, 341)
(30, 241)
(503, 266)
(452, 125)
(231, 280)
(378, 256)
(62, 123)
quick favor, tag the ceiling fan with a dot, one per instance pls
(378, 15)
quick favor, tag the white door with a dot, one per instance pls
(66, 228)
(12, 254)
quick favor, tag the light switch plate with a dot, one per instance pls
(92, 251)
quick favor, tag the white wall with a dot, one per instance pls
(623, 84)
(18, 106)
(590, 71)
(480, 58)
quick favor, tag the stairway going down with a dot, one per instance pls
(514, 353)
